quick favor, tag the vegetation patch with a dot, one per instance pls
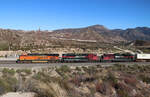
(27, 71)
(92, 81)
(7, 71)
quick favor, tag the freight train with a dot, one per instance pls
(72, 57)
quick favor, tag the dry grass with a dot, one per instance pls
(79, 82)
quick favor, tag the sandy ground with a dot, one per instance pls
(19, 95)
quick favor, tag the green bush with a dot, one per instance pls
(38, 76)
(64, 84)
(63, 68)
(41, 76)
(122, 93)
(27, 71)
(119, 67)
(7, 84)
(145, 78)
(78, 68)
(111, 78)
(4, 46)
(91, 70)
(7, 71)
(84, 68)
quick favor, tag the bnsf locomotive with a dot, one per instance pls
(71, 57)
(31, 58)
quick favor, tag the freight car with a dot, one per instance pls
(143, 57)
(36, 58)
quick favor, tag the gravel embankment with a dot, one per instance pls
(18, 94)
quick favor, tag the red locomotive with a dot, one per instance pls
(126, 57)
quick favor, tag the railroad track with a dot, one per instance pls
(12, 64)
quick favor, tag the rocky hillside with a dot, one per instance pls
(142, 43)
(101, 33)
(93, 81)
(96, 34)
(139, 33)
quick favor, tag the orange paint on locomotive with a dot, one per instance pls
(26, 57)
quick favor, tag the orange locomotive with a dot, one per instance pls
(35, 58)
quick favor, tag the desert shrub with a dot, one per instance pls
(62, 74)
(78, 68)
(43, 92)
(63, 68)
(98, 66)
(7, 84)
(4, 87)
(41, 76)
(142, 68)
(91, 70)
(111, 78)
(38, 76)
(122, 93)
(42, 88)
(144, 78)
(27, 71)
(89, 79)
(76, 80)
(4, 46)
(80, 73)
(133, 67)
(101, 87)
(11, 80)
(119, 67)
(64, 84)
(7, 71)
(122, 89)
(84, 68)
(130, 80)
(138, 95)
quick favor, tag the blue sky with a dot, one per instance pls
(58, 14)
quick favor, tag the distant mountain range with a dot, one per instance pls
(102, 34)
(95, 33)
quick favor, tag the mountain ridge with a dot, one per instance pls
(97, 33)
